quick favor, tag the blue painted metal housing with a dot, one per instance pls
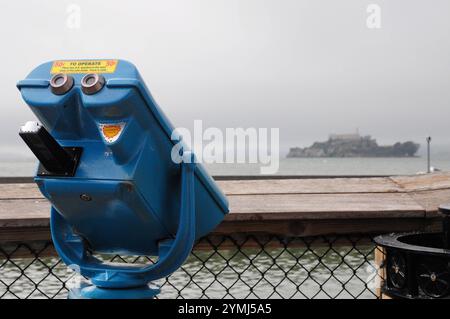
(136, 191)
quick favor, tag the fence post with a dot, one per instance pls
(381, 268)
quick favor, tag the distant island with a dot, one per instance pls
(354, 145)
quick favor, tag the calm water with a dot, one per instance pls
(337, 166)
(292, 166)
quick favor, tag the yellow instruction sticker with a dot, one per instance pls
(84, 66)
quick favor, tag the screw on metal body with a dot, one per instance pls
(85, 197)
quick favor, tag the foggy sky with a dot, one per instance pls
(308, 67)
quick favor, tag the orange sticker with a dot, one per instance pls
(111, 132)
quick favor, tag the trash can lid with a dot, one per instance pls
(445, 209)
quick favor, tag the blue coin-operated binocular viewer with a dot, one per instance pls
(106, 166)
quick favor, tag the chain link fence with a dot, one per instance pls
(232, 266)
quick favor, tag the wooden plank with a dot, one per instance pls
(19, 190)
(283, 186)
(323, 206)
(258, 207)
(297, 207)
(25, 234)
(430, 200)
(24, 212)
(309, 186)
(282, 228)
(423, 182)
(319, 227)
(291, 186)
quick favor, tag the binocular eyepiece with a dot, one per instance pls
(61, 83)
(91, 83)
